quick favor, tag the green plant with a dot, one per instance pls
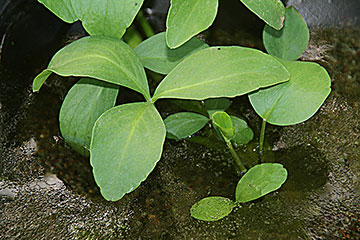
(125, 142)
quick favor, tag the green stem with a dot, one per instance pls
(145, 26)
(262, 137)
(236, 157)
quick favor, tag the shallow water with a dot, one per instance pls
(47, 190)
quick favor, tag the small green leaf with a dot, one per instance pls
(99, 17)
(184, 124)
(212, 208)
(188, 18)
(291, 41)
(216, 104)
(221, 72)
(224, 123)
(83, 104)
(259, 181)
(270, 11)
(243, 133)
(126, 144)
(158, 57)
(102, 58)
(296, 100)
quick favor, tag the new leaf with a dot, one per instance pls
(127, 143)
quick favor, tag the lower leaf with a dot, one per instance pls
(126, 144)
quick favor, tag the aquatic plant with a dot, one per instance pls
(125, 142)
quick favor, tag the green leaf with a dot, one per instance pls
(102, 58)
(212, 208)
(216, 104)
(83, 104)
(184, 124)
(62, 9)
(296, 100)
(188, 18)
(270, 11)
(243, 133)
(259, 181)
(224, 123)
(99, 17)
(221, 72)
(126, 144)
(291, 41)
(158, 57)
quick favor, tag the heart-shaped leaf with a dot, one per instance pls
(126, 144)
(183, 124)
(296, 100)
(270, 11)
(259, 181)
(102, 58)
(221, 72)
(289, 42)
(83, 104)
(158, 57)
(188, 18)
(212, 208)
(99, 17)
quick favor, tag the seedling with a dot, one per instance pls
(125, 142)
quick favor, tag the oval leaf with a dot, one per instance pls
(99, 17)
(158, 57)
(102, 58)
(224, 123)
(188, 18)
(270, 11)
(259, 181)
(126, 144)
(221, 72)
(291, 41)
(296, 100)
(184, 124)
(212, 208)
(243, 133)
(83, 104)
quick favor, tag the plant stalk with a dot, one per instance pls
(262, 137)
(236, 157)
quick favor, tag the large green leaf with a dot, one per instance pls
(188, 18)
(158, 57)
(270, 11)
(221, 72)
(183, 124)
(212, 208)
(224, 123)
(289, 42)
(102, 58)
(83, 104)
(296, 100)
(259, 181)
(243, 133)
(99, 17)
(126, 144)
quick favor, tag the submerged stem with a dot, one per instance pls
(236, 157)
(262, 137)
